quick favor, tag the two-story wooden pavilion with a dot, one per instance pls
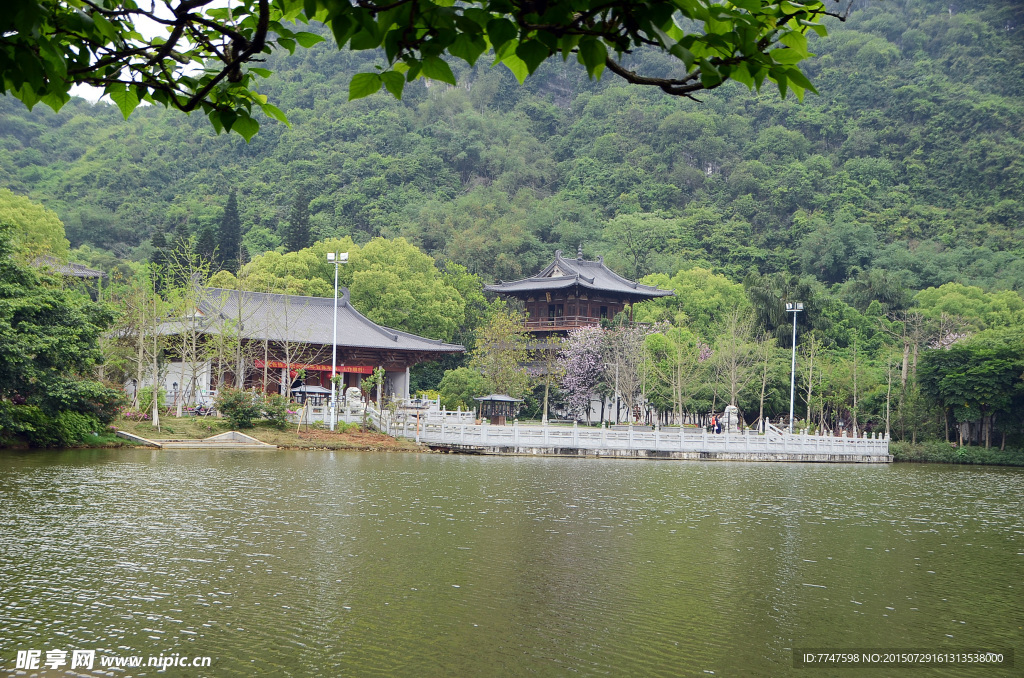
(571, 293)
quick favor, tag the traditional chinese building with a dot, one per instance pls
(571, 293)
(289, 339)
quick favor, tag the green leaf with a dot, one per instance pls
(55, 100)
(363, 85)
(342, 27)
(518, 67)
(394, 82)
(709, 74)
(799, 79)
(466, 48)
(742, 74)
(500, 31)
(125, 98)
(785, 56)
(532, 53)
(781, 79)
(593, 55)
(275, 112)
(245, 126)
(106, 28)
(683, 54)
(437, 68)
(477, 16)
(796, 41)
(308, 39)
(262, 72)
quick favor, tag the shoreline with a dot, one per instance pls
(929, 452)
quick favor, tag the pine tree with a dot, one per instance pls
(206, 244)
(229, 236)
(181, 234)
(159, 256)
(297, 235)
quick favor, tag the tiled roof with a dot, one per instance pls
(310, 320)
(70, 269)
(592, 275)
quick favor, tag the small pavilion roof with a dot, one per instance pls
(499, 398)
(590, 275)
(280, 317)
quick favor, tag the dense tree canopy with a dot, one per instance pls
(922, 149)
(34, 230)
(48, 347)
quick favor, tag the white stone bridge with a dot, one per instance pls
(644, 442)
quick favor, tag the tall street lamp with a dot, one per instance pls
(335, 259)
(793, 308)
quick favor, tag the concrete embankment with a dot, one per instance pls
(228, 440)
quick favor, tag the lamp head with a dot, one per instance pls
(341, 258)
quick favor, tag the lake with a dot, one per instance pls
(301, 563)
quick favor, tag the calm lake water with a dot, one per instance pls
(351, 564)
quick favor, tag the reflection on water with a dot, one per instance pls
(316, 563)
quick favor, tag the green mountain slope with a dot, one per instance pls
(911, 162)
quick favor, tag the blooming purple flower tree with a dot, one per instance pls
(581, 364)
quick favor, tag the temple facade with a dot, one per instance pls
(571, 293)
(288, 339)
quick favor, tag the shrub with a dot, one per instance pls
(28, 422)
(31, 423)
(146, 399)
(87, 397)
(73, 427)
(241, 408)
(275, 410)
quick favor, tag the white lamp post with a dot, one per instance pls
(793, 308)
(335, 259)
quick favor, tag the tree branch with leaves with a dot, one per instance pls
(205, 56)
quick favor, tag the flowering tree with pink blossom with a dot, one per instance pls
(582, 367)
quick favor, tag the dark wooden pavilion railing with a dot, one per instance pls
(565, 322)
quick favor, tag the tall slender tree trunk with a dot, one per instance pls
(888, 392)
(156, 378)
(856, 425)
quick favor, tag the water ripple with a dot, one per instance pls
(299, 563)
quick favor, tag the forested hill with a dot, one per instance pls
(907, 170)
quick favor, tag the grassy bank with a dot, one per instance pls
(940, 452)
(307, 439)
